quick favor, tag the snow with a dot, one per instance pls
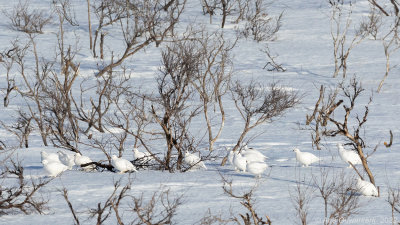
(304, 47)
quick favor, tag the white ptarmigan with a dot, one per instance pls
(193, 161)
(50, 157)
(239, 162)
(66, 159)
(53, 168)
(256, 168)
(80, 159)
(305, 158)
(366, 188)
(348, 155)
(122, 165)
(253, 155)
(142, 157)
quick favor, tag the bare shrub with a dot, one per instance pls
(372, 23)
(339, 196)
(246, 200)
(390, 39)
(327, 125)
(103, 211)
(302, 196)
(27, 21)
(66, 11)
(272, 65)
(7, 61)
(145, 22)
(258, 23)
(337, 191)
(30, 88)
(20, 195)
(170, 108)
(71, 208)
(341, 15)
(209, 7)
(160, 209)
(209, 218)
(57, 101)
(212, 79)
(394, 202)
(261, 26)
(226, 7)
(133, 119)
(107, 13)
(259, 105)
(21, 128)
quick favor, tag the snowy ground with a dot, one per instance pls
(304, 46)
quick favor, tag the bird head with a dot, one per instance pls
(114, 157)
(296, 150)
(44, 162)
(135, 150)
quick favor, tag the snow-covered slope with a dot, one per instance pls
(305, 49)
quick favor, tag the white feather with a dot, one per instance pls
(239, 162)
(305, 158)
(53, 168)
(256, 168)
(81, 159)
(122, 165)
(254, 156)
(50, 157)
(194, 161)
(66, 159)
(143, 157)
(366, 188)
(348, 155)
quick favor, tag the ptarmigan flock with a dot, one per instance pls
(244, 160)
(248, 160)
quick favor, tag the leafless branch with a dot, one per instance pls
(246, 200)
(327, 125)
(21, 195)
(65, 195)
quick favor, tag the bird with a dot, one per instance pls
(305, 158)
(253, 155)
(348, 155)
(142, 157)
(239, 162)
(193, 161)
(50, 157)
(366, 188)
(66, 159)
(256, 168)
(53, 168)
(122, 165)
(79, 160)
